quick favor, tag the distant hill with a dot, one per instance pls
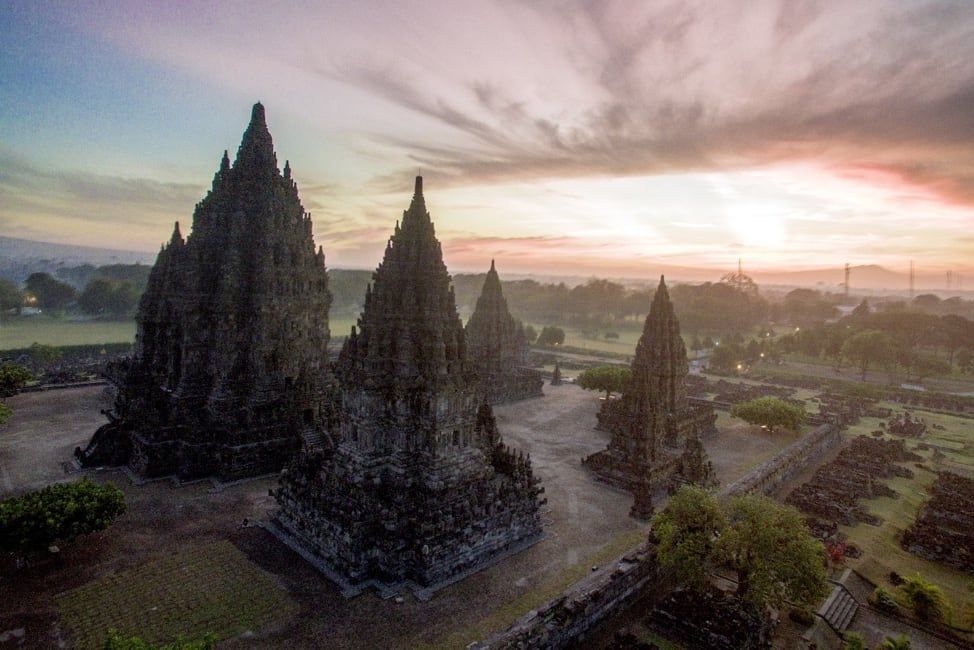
(21, 257)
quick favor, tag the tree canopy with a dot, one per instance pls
(50, 293)
(770, 412)
(551, 335)
(611, 379)
(765, 543)
(769, 547)
(869, 347)
(686, 533)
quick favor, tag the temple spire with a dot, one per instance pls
(177, 237)
(256, 152)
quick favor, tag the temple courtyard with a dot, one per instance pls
(190, 560)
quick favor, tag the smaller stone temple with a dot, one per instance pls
(420, 490)
(229, 374)
(655, 430)
(498, 349)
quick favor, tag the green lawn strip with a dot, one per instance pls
(23, 332)
(210, 588)
(506, 613)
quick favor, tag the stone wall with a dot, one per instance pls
(788, 463)
(569, 617)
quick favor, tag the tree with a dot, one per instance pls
(10, 297)
(957, 332)
(862, 309)
(5, 412)
(929, 367)
(686, 532)
(530, 334)
(13, 378)
(116, 641)
(726, 358)
(965, 360)
(868, 347)
(611, 379)
(59, 513)
(925, 598)
(769, 412)
(105, 297)
(551, 335)
(769, 547)
(50, 293)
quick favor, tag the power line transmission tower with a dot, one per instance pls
(912, 280)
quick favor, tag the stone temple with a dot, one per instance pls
(655, 431)
(419, 491)
(498, 348)
(230, 364)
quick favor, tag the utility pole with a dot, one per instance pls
(847, 271)
(912, 280)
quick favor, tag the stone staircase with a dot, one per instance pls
(312, 439)
(839, 608)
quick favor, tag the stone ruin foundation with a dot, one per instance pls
(944, 530)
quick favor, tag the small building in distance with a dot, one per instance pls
(498, 349)
(230, 370)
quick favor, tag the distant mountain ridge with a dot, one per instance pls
(21, 257)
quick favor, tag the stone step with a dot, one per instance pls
(313, 440)
(839, 609)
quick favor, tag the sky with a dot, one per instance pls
(559, 137)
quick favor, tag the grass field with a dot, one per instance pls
(880, 545)
(22, 332)
(204, 589)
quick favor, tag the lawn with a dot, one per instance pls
(22, 332)
(880, 545)
(202, 589)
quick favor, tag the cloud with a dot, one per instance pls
(65, 204)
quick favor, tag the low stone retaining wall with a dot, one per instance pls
(567, 618)
(788, 463)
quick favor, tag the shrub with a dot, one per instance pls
(853, 641)
(13, 378)
(32, 522)
(5, 412)
(883, 600)
(926, 599)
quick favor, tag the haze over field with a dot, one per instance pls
(565, 139)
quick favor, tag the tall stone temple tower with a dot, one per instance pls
(420, 489)
(498, 348)
(652, 422)
(230, 363)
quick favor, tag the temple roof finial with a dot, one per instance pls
(418, 190)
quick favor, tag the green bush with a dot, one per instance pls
(32, 522)
(853, 641)
(926, 599)
(13, 378)
(883, 600)
(5, 412)
(770, 412)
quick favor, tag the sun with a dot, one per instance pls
(757, 226)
